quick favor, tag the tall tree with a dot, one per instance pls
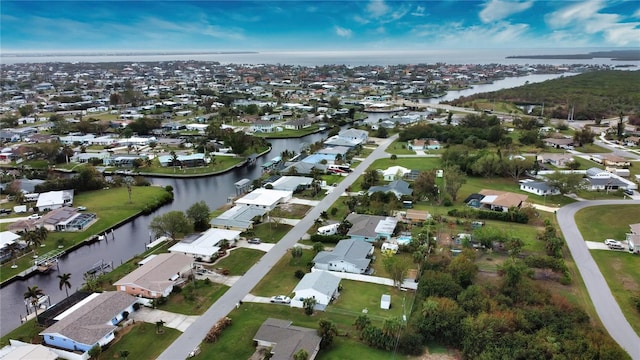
(453, 181)
(371, 178)
(566, 183)
(170, 224)
(200, 214)
(327, 330)
(33, 294)
(64, 282)
(396, 267)
(424, 186)
(129, 182)
(515, 167)
(488, 166)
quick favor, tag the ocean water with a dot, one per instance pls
(317, 58)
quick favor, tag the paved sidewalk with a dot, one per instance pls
(175, 321)
(296, 200)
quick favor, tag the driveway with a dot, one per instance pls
(194, 335)
(605, 304)
(172, 320)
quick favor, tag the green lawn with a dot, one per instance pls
(239, 260)
(236, 342)
(598, 223)
(112, 206)
(221, 163)
(195, 298)
(271, 232)
(399, 148)
(620, 269)
(27, 332)
(281, 279)
(356, 296)
(142, 342)
(289, 133)
(592, 148)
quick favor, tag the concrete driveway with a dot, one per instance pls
(172, 320)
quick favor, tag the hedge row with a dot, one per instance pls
(513, 215)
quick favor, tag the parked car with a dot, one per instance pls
(628, 192)
(82, 208)
(613, 244)
(280, 299)
(34, 217)
(5, 211)
(254, 241)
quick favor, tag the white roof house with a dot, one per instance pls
(291, 183)
(321, 285)
(7, 238)
(394, 173)
(265, 198)
(54, 199)
(205, 245)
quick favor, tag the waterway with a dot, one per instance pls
(131, 238)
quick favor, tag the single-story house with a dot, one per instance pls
(632, 141)
(285, 340)
(501, 200)
(352, 256)
(614, 160)
(52, 200)
(319, 159)
(413, 216)
(7, 241)
(204, 246)
(394, 173)
(417, 144)
(157, 277)
(369, 228)
(538, 188)
(291, 183)
(239, 217)
(349, 138)
(297, 124)
(433, 144)
(124, 160)
(555, 159)
(18, 350)
(334, 150)
(302, 168)
(558, 143)
(320, 285)
(267, 199)
(193, 160)
(91, 322)
(67, 219)
(633, 238)
(610, 183)
(398, 187)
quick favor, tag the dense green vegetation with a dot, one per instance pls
(595, 95)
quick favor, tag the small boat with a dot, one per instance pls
(46, 266)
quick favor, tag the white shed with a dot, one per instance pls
(385, 302)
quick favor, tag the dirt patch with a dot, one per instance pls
(450, 355)
(293, 211)
(628, 283)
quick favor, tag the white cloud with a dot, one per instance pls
(343, 32)
(359, 19)
(637, 13)
(586, 18)
(419, 11)
(501, 34)
(377, 8)
(495, 10)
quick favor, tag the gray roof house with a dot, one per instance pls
(538, 188)
(365, 227)
(352, 256)
(90, 322)
(238, 217)
(397, 187)
(285, 339)
(320, 285)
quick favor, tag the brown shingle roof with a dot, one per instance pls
(155, 274)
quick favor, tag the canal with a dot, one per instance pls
(131, 238)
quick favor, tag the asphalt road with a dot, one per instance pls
(194, 335)
(604, 302)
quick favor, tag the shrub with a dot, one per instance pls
(410, 343)
(299, 274)
(333, 239)
(513, 215)
(176, 289)
(216, 330)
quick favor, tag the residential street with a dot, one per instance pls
(194, 335)
(604, 302)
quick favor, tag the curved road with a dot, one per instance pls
(195, 333)
(604, 302)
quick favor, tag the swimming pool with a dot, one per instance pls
(404, 239)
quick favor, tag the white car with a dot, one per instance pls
(34, 217)
(611, 242)
(280, 299)
(82, 208)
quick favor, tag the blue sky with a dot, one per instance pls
(313, 25)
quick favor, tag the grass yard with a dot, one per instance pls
(141, 341)
(236, 342)
(281, 279)
(112, 207)
(592, 149)
(271, 232)
(414, 163)
(620, 269)
(195, 298)
(598, 223)
(239, 260)
(399, 148)
(27, 332)
(221, 163)
(356, 296)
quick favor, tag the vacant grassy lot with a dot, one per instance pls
(195, 298)
(141, 341)
(356, 296)
(27, 332)
(620, 269)
(399, 148)
(271, 232)
(281, 279)
(239, 260)
(236, 342)
(598, 223)
(291, 211)
(592, 148)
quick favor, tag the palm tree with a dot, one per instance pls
(159, 325)
(32, 294)
(64, 282)
(32, 238)
(42, 233)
